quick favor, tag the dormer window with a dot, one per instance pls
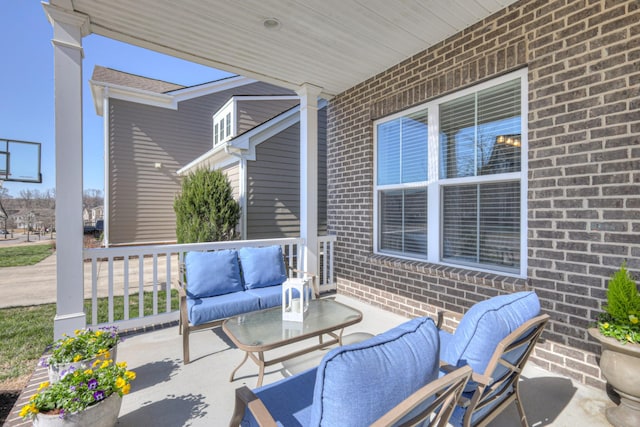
(223, 123)
(243, 112)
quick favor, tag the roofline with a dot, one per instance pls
(262, 132)
(248, 140)
(168, 100)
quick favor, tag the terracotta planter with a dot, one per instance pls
(102, 414)
(620, 364)
(56, 371)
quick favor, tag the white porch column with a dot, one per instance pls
(309, 175)
(68, 30)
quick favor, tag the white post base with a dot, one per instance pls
(62, 324)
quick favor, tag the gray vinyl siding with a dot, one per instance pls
(253, 113)
(273, 185)
(141, 196)
(232, 172)
(233, 175)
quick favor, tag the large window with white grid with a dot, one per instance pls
(450, 179)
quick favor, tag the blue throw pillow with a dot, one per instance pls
(356, 384)
(262, 267)
(484, 326)
(212, 273)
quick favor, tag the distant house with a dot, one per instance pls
(96, 213)
(30, 219)
(155, 131)
(91, 215)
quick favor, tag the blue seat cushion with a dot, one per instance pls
(484, 326)
(262, 267)
(203, 310)
(289, 400)
(212, 273)
(358, 383)
(269, 297)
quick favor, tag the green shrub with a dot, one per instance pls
(621, 319)
(205, 208)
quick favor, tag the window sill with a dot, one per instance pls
(480, 278)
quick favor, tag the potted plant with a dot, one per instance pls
(618, 331)
(81, 397)
(81, 350)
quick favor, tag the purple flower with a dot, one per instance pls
(92, 384)
(72, 388)
(62, 414)
(98, 395)
(44, 362)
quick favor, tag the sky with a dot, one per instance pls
(26, 86)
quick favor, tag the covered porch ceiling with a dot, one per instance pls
(332, 44)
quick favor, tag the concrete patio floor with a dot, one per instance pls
(168, 393)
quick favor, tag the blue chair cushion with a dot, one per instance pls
(269, 297)
(212, 273)
(203, 310)
(262, 267)
(358, 383)
(289, 400)
(484, 326)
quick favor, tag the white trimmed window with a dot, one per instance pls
(450, 183)
(224, 123)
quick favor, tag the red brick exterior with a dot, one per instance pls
(583, 61)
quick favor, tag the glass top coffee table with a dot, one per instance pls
(264, 330)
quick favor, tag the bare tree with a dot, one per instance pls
(27, 197)
(92, 198)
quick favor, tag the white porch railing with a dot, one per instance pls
(140, 274)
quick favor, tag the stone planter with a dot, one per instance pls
(102, 414)
(57, 370)
(620, 364)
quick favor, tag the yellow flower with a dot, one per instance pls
(130, 374)
(633, 319)
(98, 333)
(24, 411)
(43, 385)
(34, 397)
(126, 389)
(605, 325)
(628, 337)
(120, 382)
(77, 358)
(28, 409)
(105, 364)
(121, 364)
(96, 363)
(88, 371)
(77, 331)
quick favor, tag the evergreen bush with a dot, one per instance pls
(205, 208)
(621, 319)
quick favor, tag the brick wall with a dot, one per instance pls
(583, 60)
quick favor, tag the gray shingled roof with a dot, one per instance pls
(108, 75)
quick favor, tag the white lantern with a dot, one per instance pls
(296, 294)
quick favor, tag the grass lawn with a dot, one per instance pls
(15, 256)
(25, 332)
